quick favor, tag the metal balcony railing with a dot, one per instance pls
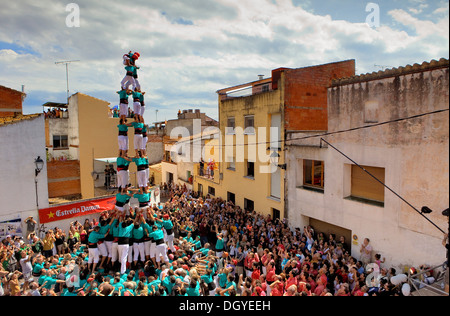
(420, 285)
(208, 173)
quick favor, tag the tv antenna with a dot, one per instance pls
(382, 67)
(67, 62)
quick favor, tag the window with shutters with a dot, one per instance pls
(364, 187)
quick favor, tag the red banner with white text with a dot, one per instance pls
(62, 212)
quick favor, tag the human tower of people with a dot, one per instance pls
(189, 246)
(127, 235)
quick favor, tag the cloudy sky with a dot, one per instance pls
(192, 48)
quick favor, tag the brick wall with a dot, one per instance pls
(306, 94)
(10, 102)
(63, 178)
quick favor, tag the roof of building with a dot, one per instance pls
(393, 72)
(55, 105)
(15, 119)
(13, 90)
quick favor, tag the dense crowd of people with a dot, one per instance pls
(189, 246)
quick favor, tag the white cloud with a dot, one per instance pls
(190, 50)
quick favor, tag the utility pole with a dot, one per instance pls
(67, 73)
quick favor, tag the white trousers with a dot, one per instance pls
(114, 251)
(142, 178)
(137, 141)
(161, 251)
(144, 143)
(147, 246)
(93, 255)
(152, 250)
(123, 255)
(123, 109)
(137, 108)
(123, 178)
(139, 250)
(136, 83)
(123, 142)
(127, 81)
(130, 254)
(109, 248)
(170, 242)
(102, 250)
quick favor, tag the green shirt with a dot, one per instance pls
(137, 95)
(138, 233)
(37, 268)
(123, 94)
(157, 235)
(94, 237)
(122, 128)
(122, 198)
(125, 232)
(140, 161)
(142, 198)
(123, 162)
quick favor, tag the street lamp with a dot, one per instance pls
(274, 158)
(39, 165)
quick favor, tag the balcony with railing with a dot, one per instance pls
(243, 91)
(209, 172)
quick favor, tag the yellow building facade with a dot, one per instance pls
(244, 173)
(93, 139)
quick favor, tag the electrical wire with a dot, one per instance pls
(323, 134)
(378, 180)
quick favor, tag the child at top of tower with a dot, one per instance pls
(133, 60)
(129, 60)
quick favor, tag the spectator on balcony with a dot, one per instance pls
(202, 167)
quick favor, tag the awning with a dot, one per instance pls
(107, 160)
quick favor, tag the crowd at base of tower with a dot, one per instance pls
(190, 246)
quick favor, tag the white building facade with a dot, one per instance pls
(22, 193)
(407, 149)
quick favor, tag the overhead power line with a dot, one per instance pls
(378, 180)
(332, 133)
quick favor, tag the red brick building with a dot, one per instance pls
(10, 102)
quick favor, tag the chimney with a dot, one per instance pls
(23, 93)
(261, 77)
